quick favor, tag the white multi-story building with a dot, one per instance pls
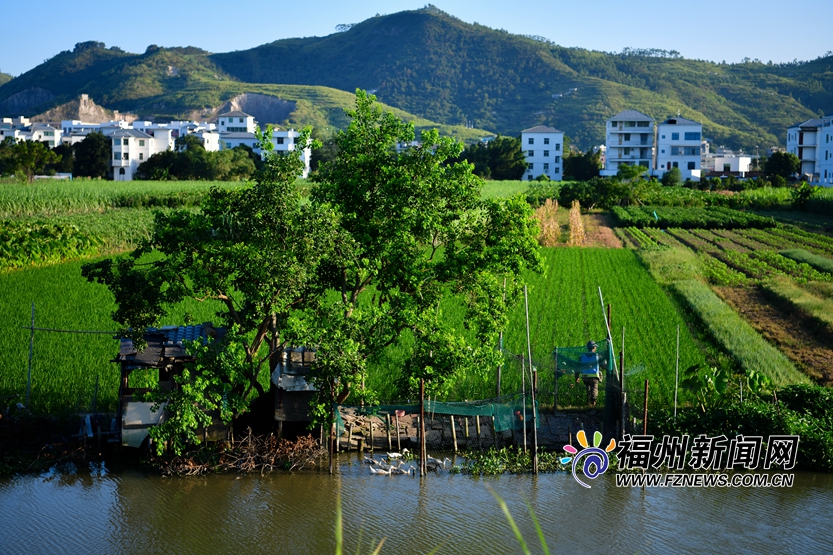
(629, 140)
(236, 122)
(131, 147)
(803, 141)
(40, 132)
(282, 141)
(543, 150)
(678, 146)
(825, 151)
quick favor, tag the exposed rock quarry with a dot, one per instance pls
(264, 108)
(83, 109)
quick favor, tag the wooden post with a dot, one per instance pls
(350, 437)
(555, 379)
(31, 348)
(494, 431)
(645, 411)
(423, 455)
(467, 428)
(387, 424)
(398, 444)
(453, 433)
(477, 424)
(370, 425)
(624, 396)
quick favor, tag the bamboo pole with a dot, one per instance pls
(398, 444)
(532, 389)
(453, 433)
(387, 425)
(477, 424)
(624, 397)
(423, 467)
(677, 373)
(500, 346)
(645, 411)
(31, 349)
(370, 425)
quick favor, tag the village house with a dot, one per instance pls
(542, 147)
(803, 141)
(678, 146)
(629, 140)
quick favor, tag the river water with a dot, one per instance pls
(96, 510)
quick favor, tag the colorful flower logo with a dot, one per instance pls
(595, 462)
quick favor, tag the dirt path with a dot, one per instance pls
(599, 232)
(794, 334)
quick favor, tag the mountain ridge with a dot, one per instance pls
(437, 67)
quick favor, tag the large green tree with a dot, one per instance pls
(29, 158)
(255, 249)
(500, 158)
(414, 231)
(92, 156)
(783, 164)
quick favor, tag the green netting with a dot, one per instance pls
(508, 412)
(568, 359)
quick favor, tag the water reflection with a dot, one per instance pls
(96, 511)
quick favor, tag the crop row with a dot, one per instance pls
(736, 336)
(801, 237)
(820, 263)
(689, 218)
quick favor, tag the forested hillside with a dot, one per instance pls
(435, 66)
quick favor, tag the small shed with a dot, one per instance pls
(164, 353)
(293, 393)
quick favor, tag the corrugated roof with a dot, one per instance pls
(164, 343)
(631, 115)
(541, 129)
(680, 121)
(235, 114)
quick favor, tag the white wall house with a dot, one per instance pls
(236, 122)
(130, 148)
(282, 141)
(678, 146)
(736, 163)
(40, 132)
(803, 141)
(543, 151)
(629, 140)
(825, 151)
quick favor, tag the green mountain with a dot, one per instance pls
(439, 71)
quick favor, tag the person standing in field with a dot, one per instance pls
(589, 370)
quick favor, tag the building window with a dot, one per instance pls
(125, 142)
(630, 124)
(125, 156)
(692, 136)
(121, 171)
(557, 146)
(546, 167)
(141, 142)
(531, 141)
(530, 166)
(626, 151)
(675, 136)
(280, 140)
(642, 124)
(141, 156)
(627, 136)
(529, 177)
(546, 154)
(240, 120)
(530, 153)
(691, 165)
(546, 140)
(613, 124)
(116, 156)
(557, 159)
(675, 151)
(557, 170)
(663, 136)
(675, 165)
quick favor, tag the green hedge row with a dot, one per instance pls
(689, 218)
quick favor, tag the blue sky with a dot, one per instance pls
(706, 29)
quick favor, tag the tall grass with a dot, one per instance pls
(737, 337)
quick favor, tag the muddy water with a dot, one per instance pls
(98, 511)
